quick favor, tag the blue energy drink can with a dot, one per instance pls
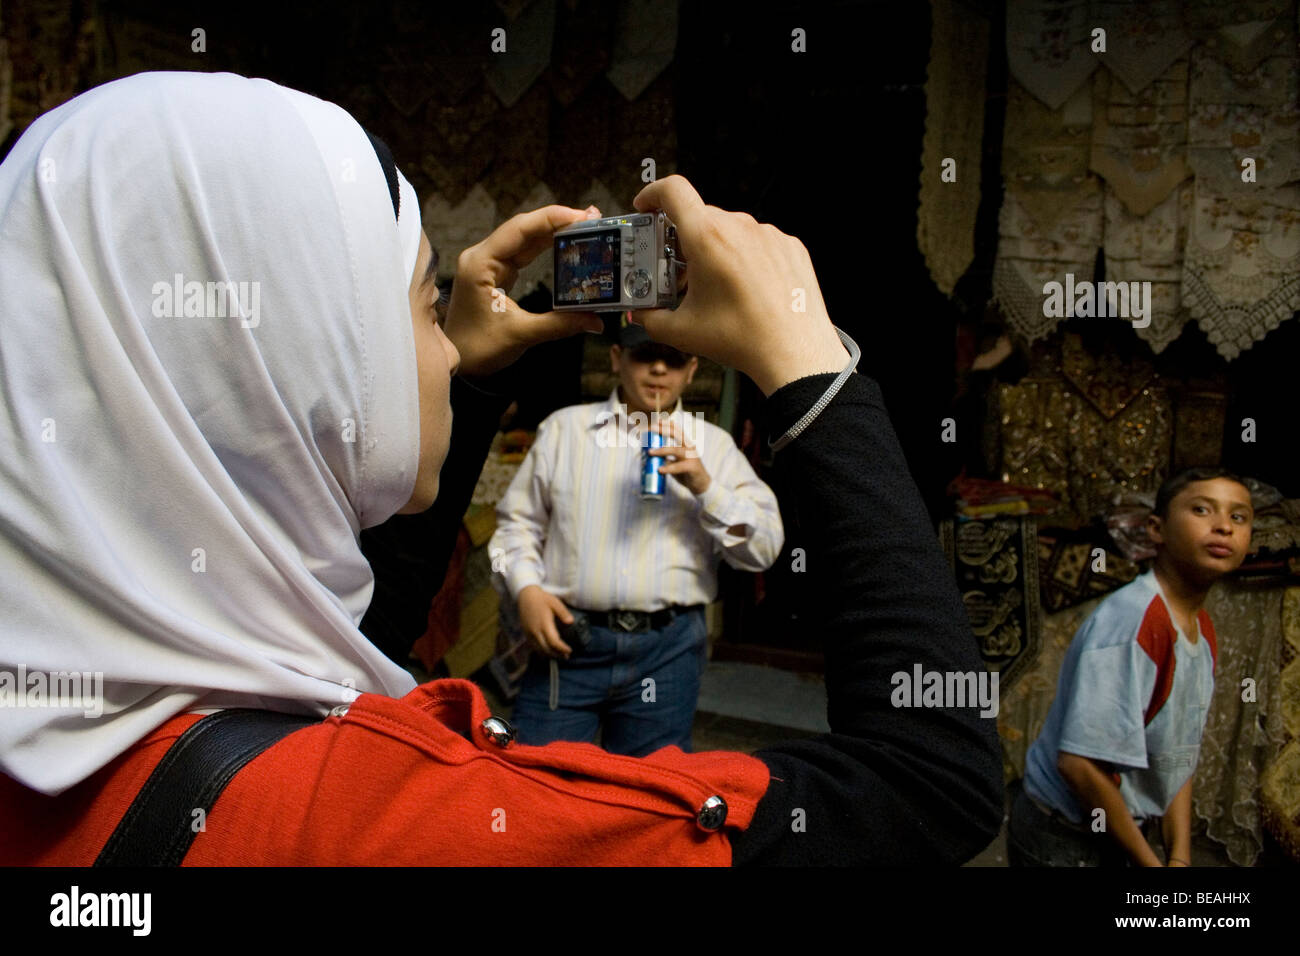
(652, 479)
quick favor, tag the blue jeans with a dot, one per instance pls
(1037, 838)
(640, 688)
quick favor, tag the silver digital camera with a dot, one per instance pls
(617, 263)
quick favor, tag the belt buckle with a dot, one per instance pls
(628, 621)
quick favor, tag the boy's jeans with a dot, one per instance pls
(1036, 838)
(641, 688)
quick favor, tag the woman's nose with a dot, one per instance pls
(452, 353)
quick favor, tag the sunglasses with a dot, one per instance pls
(654, 351)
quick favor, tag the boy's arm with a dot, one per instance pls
(1095, 789)
(1176, 827)
(523, 515)
(1103, 727)
(739, 511)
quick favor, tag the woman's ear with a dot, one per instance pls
(615, 352)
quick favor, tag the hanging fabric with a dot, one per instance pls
(954, 130)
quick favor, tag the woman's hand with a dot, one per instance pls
(746, 281)
(488, 328)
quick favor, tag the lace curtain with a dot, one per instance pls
(1241, 738)
(1145, 158)
(954, 129)
(1281, 787)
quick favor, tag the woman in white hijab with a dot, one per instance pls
(210, 386)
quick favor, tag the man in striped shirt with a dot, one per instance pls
(611, 587)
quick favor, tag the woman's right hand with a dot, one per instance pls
(745, 281)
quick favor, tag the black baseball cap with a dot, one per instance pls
(636, 342)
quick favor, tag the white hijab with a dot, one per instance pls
(181, 497)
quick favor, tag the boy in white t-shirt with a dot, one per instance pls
(1120, 744)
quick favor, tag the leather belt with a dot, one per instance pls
(636, 621)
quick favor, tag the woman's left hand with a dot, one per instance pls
(488, 328)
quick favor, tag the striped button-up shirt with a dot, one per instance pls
(573, 520)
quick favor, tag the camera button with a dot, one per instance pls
(637, 284)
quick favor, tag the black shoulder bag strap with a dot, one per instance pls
(158, 827)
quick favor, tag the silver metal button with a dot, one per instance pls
(713, 814)
(499, 731)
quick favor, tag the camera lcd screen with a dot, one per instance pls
(586, 268)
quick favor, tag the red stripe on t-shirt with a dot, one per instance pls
(1157, 636)
(1207, 632)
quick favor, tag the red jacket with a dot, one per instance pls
(415, 781)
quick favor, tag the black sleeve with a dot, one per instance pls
(409, 553)
(888, 785)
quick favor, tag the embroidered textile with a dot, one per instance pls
(1277, 527)
(1243, 45)
(529, 37)
(1234, 114)
(1045, 154)
(469, 143)
(646, 127)
(954, 128)
(1198, 429)
(1029, 257)
(1149, 248)
(1051, 218)
(581, 53)
(1241, 265)
(996, 564)
(1142, 39)
(580, 139)
(1127, 525)
(1139, 141)
(1237, 32)
(517, 170)
(1049, 47)
(1054, 438)
(1068, 574)
(1108, 381)
(644, 44)
(1241, 737)
(6, 89)
(1241, 272)
(512, 8)
(452, 227)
